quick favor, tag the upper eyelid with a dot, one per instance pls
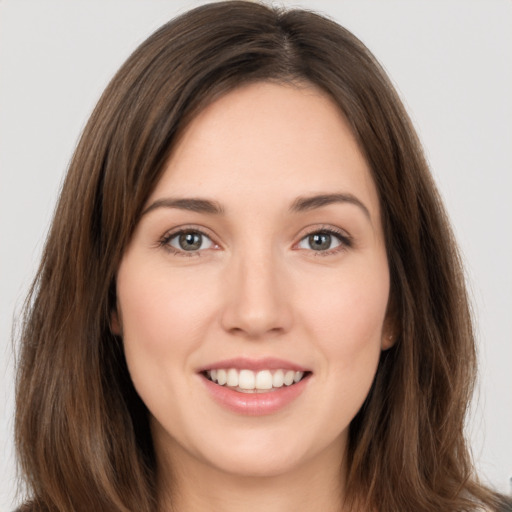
(323, 228)
(171, 233)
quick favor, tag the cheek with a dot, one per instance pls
(344, 314)
(162, 314)
(346, 317)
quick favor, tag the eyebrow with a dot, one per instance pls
(191, 204)
(302, 204)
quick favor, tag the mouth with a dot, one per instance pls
(249, 381)
(255, 387)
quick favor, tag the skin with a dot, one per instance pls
(258, 289)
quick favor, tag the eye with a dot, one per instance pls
(189, 241)
(324, 241)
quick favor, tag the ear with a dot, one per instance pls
(388, 340)
(390, 329)
(115, 323)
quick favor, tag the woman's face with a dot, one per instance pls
(259, 260)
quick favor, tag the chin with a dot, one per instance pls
(260, 465)
(263, 454)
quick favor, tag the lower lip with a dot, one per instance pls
(255, 404)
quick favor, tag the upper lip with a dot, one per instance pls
(244, 363)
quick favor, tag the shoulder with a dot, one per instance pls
(503, 504)
(507, 506)
(26, 507)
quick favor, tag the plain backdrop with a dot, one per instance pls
(451, 61)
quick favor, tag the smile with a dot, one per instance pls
(249, 381)
(255, 387)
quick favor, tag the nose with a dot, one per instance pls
(257, 296)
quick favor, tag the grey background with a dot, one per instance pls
(452, 63)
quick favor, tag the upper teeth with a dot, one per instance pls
(247, 379)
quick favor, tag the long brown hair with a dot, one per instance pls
(82, 432)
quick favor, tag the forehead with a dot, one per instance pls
(272, 140)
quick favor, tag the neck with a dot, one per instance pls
(197, 487)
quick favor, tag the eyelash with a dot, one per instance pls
(164, 241)
(345, 240)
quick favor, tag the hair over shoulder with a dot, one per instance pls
(82, 432)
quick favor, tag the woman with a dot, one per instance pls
(250, 295)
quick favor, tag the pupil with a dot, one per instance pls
(190, 241)
(320, 241)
